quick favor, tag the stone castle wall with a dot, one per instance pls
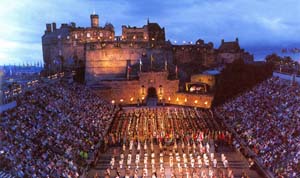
(133, 92)
(106, 61)
(210, 80)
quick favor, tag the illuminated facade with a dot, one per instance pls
(123, 63)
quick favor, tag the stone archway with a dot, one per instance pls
(151, 93)
(151, 97)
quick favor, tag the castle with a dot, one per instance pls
(107, 57)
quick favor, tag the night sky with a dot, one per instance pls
(261, 26)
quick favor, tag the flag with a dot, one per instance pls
(128, 68)
(128, 71)
(166, 65)
(152, 58)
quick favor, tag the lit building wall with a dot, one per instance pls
(133, 92)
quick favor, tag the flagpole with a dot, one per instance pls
(166, 65)
(176, 70)
(151, 58)
(128, 71)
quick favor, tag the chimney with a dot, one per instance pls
(48, 27)
(236, 40)
(53, 26)
(222, 41)
(73, 24)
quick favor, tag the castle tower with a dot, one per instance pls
(94, 20)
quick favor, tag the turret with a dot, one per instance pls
(94, 21)
(236, 40)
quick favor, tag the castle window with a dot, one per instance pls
(101, 34)
(88, 35)
(68, 37)
(160, 89)
(75, 35)
(143, 90)
(153, 39)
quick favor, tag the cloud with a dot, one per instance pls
(256, 23)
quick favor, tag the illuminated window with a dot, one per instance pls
(88, 35)
(160, 89)
(143, 90)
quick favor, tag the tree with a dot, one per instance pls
(273, 58)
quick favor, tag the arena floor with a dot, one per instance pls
(156, 159)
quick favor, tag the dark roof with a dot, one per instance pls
(230, 47)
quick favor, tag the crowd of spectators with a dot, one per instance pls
(267, 118)
(54, 131)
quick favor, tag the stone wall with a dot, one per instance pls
(228, 57)
(210, 80)
(104, 61)
(135, 33)
(132, 92)
(200, 54)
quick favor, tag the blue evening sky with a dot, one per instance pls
(262, 26)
